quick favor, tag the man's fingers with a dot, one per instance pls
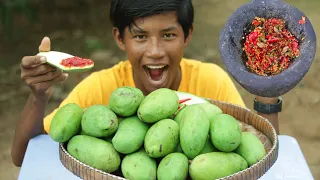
(32, 61)
(61, 78)
(37, 71)
(42, 86)
(45, 45)
(50, 76)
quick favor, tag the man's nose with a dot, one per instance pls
(155, 49)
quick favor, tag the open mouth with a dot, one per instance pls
(156, 72)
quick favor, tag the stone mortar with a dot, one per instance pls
(231, 48)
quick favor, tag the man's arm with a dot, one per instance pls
(40, 77)
(28, 126)
(273, 117)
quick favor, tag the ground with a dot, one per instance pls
(86, 31)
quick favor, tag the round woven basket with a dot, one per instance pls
(249, 121)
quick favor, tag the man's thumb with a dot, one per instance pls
(45, 45)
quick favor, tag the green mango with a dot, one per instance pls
(130, 135)
(178, 117)
(208, 147)
(99, 121)
(139, 166)
(194, 130)
(162, 138)
(174, 166)
(225, 132)
(54, 58)
(251, 148)
(159, 104)
(94, 152)
(66, 123)
(210, 109)
(125, 101)
(216, 165)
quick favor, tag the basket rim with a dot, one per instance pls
(274, 148)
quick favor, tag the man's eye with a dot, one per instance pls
(169, 35)
(140, 37)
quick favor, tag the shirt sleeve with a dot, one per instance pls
(86, 93)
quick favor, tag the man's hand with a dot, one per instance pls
(40, 76)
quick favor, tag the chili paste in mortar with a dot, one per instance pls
(269, 47)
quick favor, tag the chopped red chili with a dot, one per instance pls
(76, 62)
(270, 47)
(184, 100)
(303, 20)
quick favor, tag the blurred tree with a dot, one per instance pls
(8, 9)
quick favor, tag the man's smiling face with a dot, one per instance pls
(155, 47)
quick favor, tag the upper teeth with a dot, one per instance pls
(156, 67)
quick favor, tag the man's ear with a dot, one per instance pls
(117, 37)
(188, 39)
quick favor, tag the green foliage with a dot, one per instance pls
(8, 9)
(93, 44)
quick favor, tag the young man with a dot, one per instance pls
(154, 34)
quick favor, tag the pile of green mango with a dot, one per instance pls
(158, 136)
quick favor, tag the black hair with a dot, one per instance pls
(124, 12)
